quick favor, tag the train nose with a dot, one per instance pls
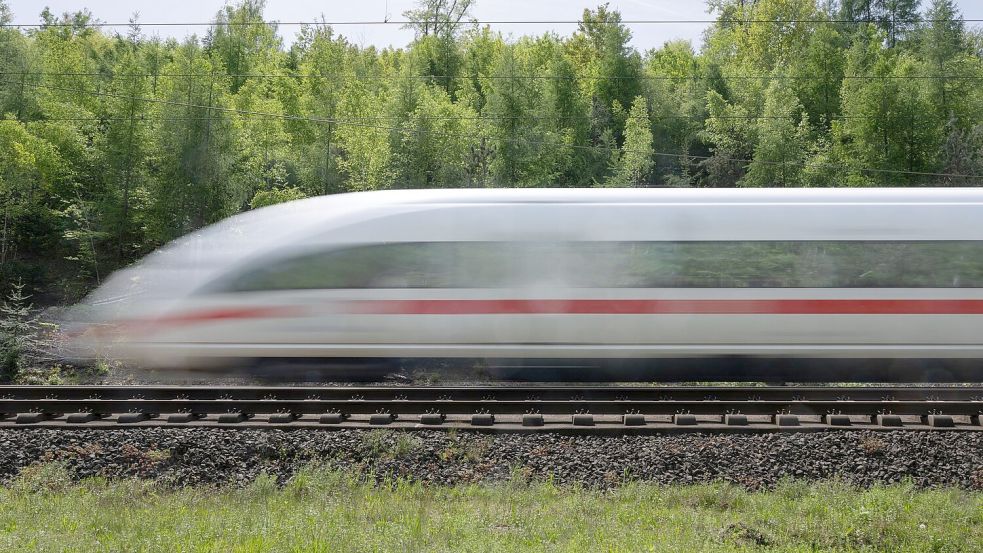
(84, 341)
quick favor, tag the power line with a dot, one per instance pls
(523, 141)
(404, 22)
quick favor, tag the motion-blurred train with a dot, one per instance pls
(662, 284)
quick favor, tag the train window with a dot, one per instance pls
(757, 264)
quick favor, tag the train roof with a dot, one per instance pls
(473, 214)
(562, 214)
(655, 195)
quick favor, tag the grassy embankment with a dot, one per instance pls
(44, 510)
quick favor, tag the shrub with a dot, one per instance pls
(24, 339)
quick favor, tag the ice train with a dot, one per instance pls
(666, 284)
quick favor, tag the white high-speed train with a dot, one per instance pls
(735, 284)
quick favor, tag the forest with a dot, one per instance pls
(113, 142)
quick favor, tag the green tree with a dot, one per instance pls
(677, 88)
(112, 143)
(818, 74)
(609, 72)
(889, 120)
(18, 333)
(944, 49)
(31, 169)
(329, 61)
(896, 18)
(783, 140)
(731, 134)
(191, 186)
(17, 64)
(243, 42)
(123, 151)
(963, 155)
(438, 17)
(366, 160)
(533, 125)
(436, 52)
(633, 166)
(435, 144)
(740, 36)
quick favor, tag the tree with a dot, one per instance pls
(676, 86)
(818, 74)
(963, 154)
(481, 50)
(27, 344)
(435, 51)
(750, 44)
(243, 42)
(889, 122)
(442, 18)
(783, 135)
(17, 63)
(191, 186)
(634, 164)
(30, 170)
(18, 333)
(435, 143)
(896, 18)
(329, 62)
(112, 143)
(532, 126)
(944, 49)
(731, 134)
(608, 69)
(366, 160)
(123, 150)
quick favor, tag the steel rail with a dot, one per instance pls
(527, 406)
(494, 407)
(509, 393)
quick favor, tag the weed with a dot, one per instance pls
(873, 446)
(472, 450)
(43, 478)
(405, 445)
(386, 444)
(744, 534)
(720, 497)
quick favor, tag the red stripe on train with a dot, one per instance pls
(571, 307)
(229, 313)
(144, 326)
(663, 307)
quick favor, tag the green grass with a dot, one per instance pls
(44, 510)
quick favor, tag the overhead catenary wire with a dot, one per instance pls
(553, 144)
(406, 22)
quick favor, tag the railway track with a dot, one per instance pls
(527, 408)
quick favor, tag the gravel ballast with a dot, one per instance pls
(194, 456)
